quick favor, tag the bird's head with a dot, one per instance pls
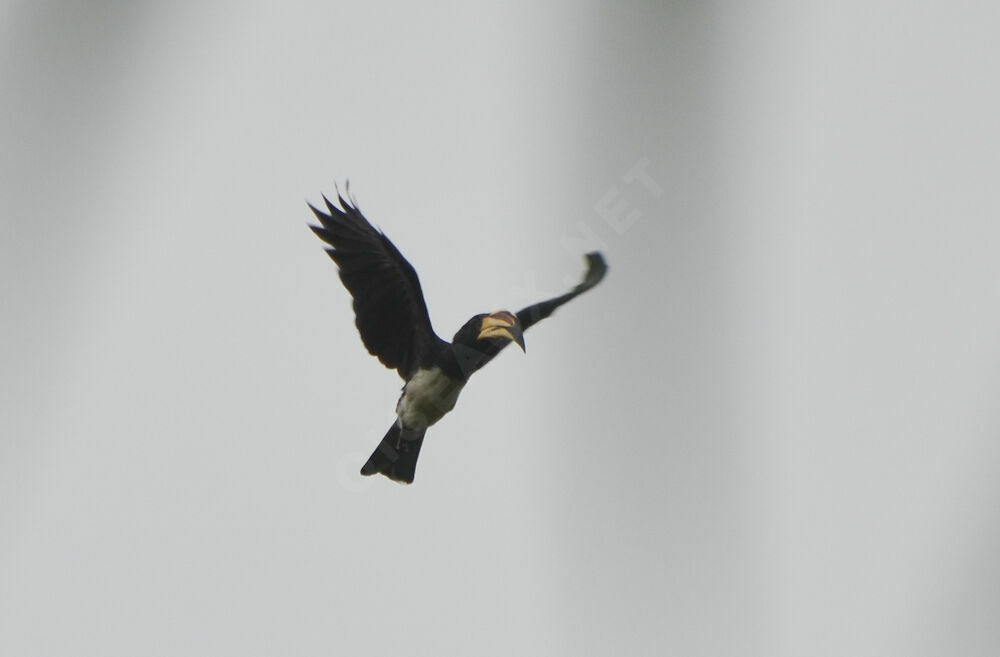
(488, 334)
(500, 328)
(483, 337)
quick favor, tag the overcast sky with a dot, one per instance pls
(772, 430)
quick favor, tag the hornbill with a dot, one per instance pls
(392, 318)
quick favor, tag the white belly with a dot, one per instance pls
(426, 398)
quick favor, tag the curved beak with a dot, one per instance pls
(502, 324)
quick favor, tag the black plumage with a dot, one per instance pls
(596, 268)
(389, 306)
(392, 318)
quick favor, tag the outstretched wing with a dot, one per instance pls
(389, 306)
(596, 268)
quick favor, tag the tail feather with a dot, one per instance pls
(396, 456)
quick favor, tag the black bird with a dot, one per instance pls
(392, 319)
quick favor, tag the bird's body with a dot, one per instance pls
(394, 324)
(427, 397)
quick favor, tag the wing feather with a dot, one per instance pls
(389, 306)
(596, 269)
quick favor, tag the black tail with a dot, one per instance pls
(396, 456)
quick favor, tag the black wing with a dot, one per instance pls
(596, 268)
(389, 306)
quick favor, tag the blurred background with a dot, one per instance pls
(771, 431)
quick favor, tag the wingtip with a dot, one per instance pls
(597, 267)
(345, 198)
(333, 209)
(352, 201)
(346, 203)
(320, 232)
(316, 211)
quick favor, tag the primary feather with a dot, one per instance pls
(389, 306)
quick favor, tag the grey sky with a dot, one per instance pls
(771, 430)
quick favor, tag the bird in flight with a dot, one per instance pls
(395, 327)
